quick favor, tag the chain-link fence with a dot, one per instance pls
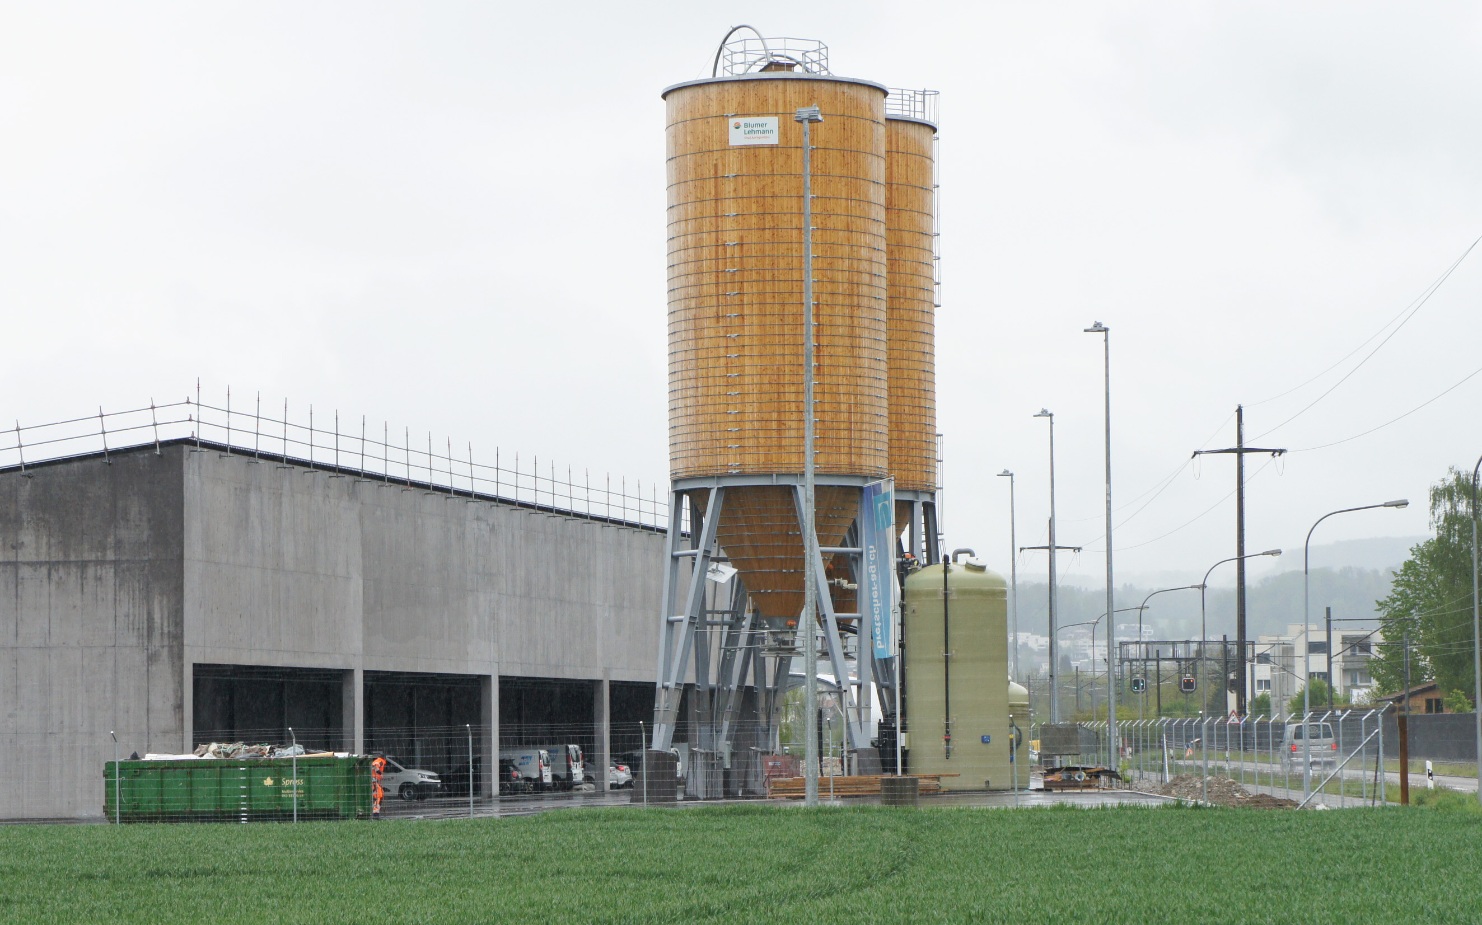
(286, 774)
(1335, 758)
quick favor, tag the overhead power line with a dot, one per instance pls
(1407, 315)
(1469, 376)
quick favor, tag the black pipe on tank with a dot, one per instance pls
(946, 659)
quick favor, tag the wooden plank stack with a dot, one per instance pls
(791, 788)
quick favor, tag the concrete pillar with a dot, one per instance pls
(187, 708)
(488, 732)
(602, 734)
(352, 699)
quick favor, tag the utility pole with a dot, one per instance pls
(1054, 630)
(1405, 645)
(1239, 450)
(1329, 612)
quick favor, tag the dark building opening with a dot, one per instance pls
(259, 704)
(425, 721)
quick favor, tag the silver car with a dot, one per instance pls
(409, 783)
(1295, 745)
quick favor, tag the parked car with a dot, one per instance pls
(1294, 745)
(618, 775)
(510, 779)
(409, 783)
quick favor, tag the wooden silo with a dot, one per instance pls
(910, 239)
(736, 382)
(735, 311)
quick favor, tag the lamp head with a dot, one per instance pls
(1044, 413)
(1270, 552)
(1006, 473)
(808, 114)
(1403, 502)
(1097, 328)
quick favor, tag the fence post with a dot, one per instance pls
(1383, 774)
(293, 763)
(117, 802)
(1341, 717)
(469, 727)
(1364, 777)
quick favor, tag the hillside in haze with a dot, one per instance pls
(1272, 603)
(1087, 571)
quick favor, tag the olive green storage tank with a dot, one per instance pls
(1019, 704)
(956, 660)
(1019, 717)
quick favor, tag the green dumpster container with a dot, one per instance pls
(237, 790)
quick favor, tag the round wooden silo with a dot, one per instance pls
(910, 228)
(736, 278)
(736, 312)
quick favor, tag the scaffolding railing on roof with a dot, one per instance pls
(343, 449)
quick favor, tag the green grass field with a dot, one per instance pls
(764, 864)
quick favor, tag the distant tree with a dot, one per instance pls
(1458, 702)
(1430, 600)
(1260, 705)
(1319, 697)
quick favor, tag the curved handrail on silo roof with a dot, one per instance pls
(742, 56)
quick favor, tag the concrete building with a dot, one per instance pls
(1284, 661)
(185, 593)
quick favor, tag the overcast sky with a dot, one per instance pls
(451, 217)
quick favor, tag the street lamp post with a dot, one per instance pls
(1140, 608)
(1110, 679)
(1054, 649)
(807, 115)
(1111, 627)
(1204, 586)
(1204, 661)
(1307, 638)
(1013, 582)
(1476, 633)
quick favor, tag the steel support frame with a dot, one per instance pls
(685, 630)
(853, 690)
(721, 675)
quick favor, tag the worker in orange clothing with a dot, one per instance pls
(378, 770)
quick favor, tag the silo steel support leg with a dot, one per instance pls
(682, 625)
(847, 685)
(736, 657)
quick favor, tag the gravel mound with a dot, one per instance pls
(1222, 792)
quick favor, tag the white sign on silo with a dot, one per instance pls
(754, 130)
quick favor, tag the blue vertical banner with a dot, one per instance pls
(878, 541)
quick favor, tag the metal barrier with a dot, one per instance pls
(345, 449)
(1268, 755)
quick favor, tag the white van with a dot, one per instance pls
(1294, 745)
(568, 765)
(533, 764)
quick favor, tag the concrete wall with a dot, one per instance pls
(116, 579)
(91, 601)
(288, 566)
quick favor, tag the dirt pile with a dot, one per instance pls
(1221, 792)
